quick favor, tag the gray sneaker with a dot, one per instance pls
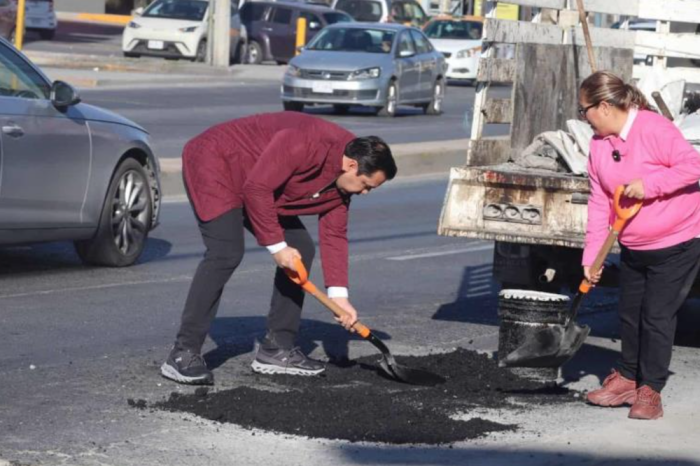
(184, 366)
(281, 361)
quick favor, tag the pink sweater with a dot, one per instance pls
(669, 167)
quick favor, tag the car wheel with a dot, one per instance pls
(240, 54)
(293, 106)
(435, 105)
(341, 109)
(392, 98)
(47, 34)
(125, 220)
(201, 56)
(255, 53)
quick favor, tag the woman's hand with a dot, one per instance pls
(592, 279)
(635, 190)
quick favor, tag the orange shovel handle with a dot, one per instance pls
(623, 215)
(301, 277)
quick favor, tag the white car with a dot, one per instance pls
(41, 17)
(459, 40)
(178, 29)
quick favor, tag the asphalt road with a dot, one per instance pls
(81, 341)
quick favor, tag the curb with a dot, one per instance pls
(413, 159)
(105, 18)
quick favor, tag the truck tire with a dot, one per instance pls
(124, 222)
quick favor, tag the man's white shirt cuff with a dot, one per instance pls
(275, 248)
(337, 292)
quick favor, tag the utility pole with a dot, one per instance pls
(220, 37)
(19, 27)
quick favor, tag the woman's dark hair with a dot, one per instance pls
(372, 154)
(604, 86)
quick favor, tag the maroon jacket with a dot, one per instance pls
(274, 164)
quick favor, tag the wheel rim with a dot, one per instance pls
(437, 98)
(130, 212)
(253, 54)
(391, 100)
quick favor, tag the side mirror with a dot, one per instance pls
(406, 53)
(63, 95)
(138, 11)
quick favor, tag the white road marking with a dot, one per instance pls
(483, 247)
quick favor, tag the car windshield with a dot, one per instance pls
(406, 12)
(337, 17)
(342, 39)
(190, 10)
(361, 10)
(466, 30)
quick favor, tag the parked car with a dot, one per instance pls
(272, 27)
(71, 171)
(8, 19)
(377, 65)
(178, 29)
(459, 40)
(408, 12)
(41, 18)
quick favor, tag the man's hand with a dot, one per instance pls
(635, 189)
(350, 313)
(592, 279)
(285, 258)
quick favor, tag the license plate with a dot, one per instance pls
(322, 88)
(156, 44)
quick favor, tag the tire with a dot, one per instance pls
(47, 34)
(435, 105)
(341, 109)
(240, 55)
(293, 106)
(131, 55)
(255, 53)
(124, 223)
(392, 98)
(201, 56)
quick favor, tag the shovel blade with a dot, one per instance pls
(409, 375)
(548, 347)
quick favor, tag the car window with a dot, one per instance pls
(253, 11)
(4, 2)
(422, 43)
(281, 15)
(406, 43)
(447, 29)
(190, 10)
(19, 79)
(341, 39)
(361, 10)
(407, 12)
(337, 17)
(313, 22)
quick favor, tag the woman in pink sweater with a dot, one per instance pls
(636, 147)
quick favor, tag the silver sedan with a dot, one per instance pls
(71, 171)
(372, 64)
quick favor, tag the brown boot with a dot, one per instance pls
(617, 391)
(648, 405)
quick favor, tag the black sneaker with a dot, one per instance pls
(281, 361)
(184, 366)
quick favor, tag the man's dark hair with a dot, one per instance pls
(372, 154)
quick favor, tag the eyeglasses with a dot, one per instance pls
(583, 110)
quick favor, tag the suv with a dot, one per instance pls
(272, 27)
(41, 18)
(408, 12)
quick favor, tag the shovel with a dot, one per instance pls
(553, 346)
(388, 363)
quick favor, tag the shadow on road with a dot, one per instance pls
(235, 336)
(78, 32)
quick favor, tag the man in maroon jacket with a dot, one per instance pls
(262, 173)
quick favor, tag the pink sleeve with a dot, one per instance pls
(681, 164)
(598, 216)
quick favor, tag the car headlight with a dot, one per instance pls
(189, 29)
(293, 71)
(134, 25)
(468, 53)
(367, 73)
